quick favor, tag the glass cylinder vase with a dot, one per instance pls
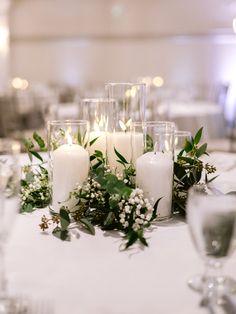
(181, 137)
(68, 143)
(129, 103)
(95, 110)
(154, 168)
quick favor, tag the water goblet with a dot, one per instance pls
(9, 204)
(212, 224)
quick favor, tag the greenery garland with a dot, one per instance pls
(108, 200)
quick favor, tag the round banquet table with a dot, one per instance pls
(90, 275)
(190, 116)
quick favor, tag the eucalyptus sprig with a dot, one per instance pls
(189, 169)
(35, 190)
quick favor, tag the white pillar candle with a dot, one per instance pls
(154, 175)
(121, 141)
(99, 144)
(70, 167)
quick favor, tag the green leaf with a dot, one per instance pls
(64, 219)
(98, 164)
(87, 224)
(30, 156)
(201, 150)
(114, 200)
(143, 240)
(92, 157)
(93, 141)
(212, 179)
(79, 138)
(35, 154)
(132, 238)
(121, 158)
(29, 177)
(179, 171)
(188, 146)
(39, 140)
(149, 143)
(98, 154)
(154, 214)
(28, 208)
(198, 136)
(109, 219)
(61, 234)
(28, 144)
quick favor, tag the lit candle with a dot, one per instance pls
(121, 141)
(154, 175)
(100, 143)
(70, 167)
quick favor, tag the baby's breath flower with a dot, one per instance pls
(136, 211)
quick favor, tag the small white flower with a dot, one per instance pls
(149, 207)
(131, 201)
(136, 199)
(127, 209)
(126, 224)
(148, 217)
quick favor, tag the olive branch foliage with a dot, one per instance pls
(107, 200)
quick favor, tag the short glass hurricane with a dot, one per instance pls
(68, 142)
(154, 165)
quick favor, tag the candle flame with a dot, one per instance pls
(68, 136)
(125, 126)
(96, 127)
(100, 123)
(131, 92)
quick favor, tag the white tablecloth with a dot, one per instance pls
(89, 275)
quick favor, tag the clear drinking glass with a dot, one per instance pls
(68, 143)
(129, 102)
(212, 225)
(9, 206)
(154, 166)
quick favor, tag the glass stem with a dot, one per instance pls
(212, 280)
(213, 269)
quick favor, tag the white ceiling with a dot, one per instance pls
(121, 17)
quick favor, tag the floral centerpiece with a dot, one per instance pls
(107, 200)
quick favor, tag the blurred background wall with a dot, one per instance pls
(55, 52)
(90, 42)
